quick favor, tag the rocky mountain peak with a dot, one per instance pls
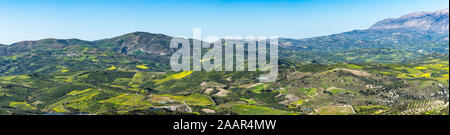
(425, 21)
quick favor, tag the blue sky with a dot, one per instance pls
(97, 19)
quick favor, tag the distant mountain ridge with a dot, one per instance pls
(143, 42)
(422, 31)
(434, 21)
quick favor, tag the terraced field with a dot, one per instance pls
(341, 89)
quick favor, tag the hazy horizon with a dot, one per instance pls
(98, 19)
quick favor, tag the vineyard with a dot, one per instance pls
(425, 107)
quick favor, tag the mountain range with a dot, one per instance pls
(411, 32)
